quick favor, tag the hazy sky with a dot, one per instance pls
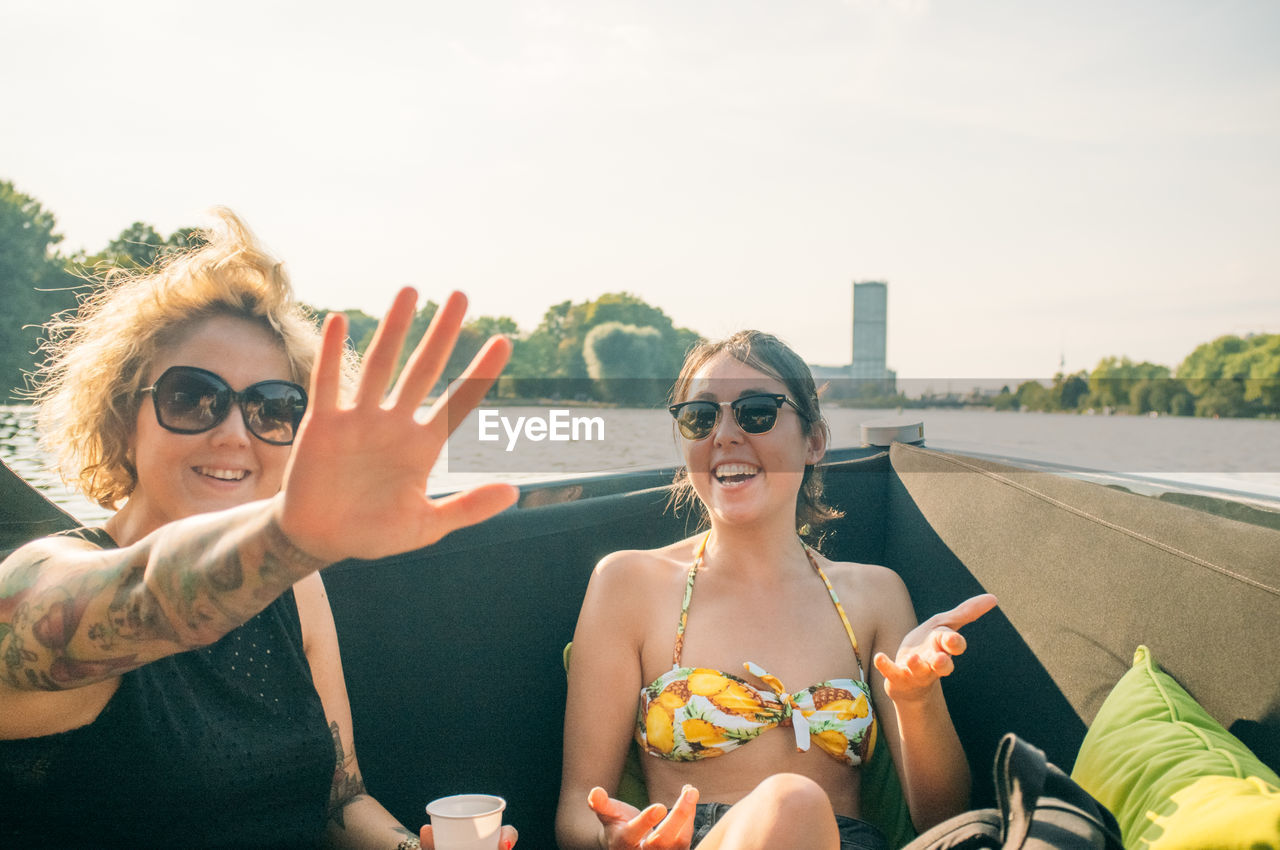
(1033, 179)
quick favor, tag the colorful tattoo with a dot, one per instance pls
(65, 629)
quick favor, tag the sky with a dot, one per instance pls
(1040, 184)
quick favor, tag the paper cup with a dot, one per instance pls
(467, 821)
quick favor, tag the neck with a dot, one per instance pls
(129, 524)
(758, 551)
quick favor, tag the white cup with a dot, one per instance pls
(466, 821)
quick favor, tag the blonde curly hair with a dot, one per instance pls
(99, 356)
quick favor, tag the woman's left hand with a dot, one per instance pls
(505, 842)
(928, 650)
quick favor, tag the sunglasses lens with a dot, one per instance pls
(756, 415)
(273, 410)
(697, 419)
(190, 402)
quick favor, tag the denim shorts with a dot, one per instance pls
(854, 834)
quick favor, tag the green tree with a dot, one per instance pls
(139, 246)
(360, 325)
(1006, 400)
(1221, 397)
(532, 370)
(1161, 395)
(1067, 391)
(1234, 376)
(550, 361)
(488, 326)
(626, 363)
(34, 284)
(1112, 382)
(1032, 395)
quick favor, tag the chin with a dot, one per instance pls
(210, 504)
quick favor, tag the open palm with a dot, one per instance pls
(927, 652)
(356, 483)
(654, 828)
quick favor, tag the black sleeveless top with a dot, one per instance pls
(224, 746)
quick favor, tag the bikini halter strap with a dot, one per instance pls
(698, 555)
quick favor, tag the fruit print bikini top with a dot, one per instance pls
(692, 713)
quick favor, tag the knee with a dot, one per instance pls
(798, 796)
(785, 810)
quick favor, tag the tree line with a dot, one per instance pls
(615, 348)
(1231, 376)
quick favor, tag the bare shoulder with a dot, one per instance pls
(630, 567)
(876, 598)
(23, 566)
(867, 581)
(628, 585)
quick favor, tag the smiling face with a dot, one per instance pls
(180, 475)
(743, 477)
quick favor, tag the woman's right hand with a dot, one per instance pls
(356, 484)
(626, 827)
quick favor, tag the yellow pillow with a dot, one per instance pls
(1171, 774)
(1214, 806)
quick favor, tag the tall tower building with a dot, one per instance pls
(870, 321)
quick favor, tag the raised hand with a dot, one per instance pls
(626, 827)
(927, 652)
(356, 484)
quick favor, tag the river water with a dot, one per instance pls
(1240, 455)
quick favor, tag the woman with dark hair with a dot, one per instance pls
(726, 667)
(172, 679)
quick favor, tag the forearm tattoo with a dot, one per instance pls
(347, 782)
(65, 627)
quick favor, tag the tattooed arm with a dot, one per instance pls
(72, 615)
(355, 818)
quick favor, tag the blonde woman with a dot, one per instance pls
(172, 679)
(738, 659)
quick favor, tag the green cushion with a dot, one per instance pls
(883, 803)
(1171, 774)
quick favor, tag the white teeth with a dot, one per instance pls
(222, 474)
(730, 470)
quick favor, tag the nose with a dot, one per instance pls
(232, 430)
(726, 431)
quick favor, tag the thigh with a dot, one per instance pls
(757, 823)
(854, 834)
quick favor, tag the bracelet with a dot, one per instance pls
(409, 844)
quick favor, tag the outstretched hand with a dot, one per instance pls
(626, 827)
(356, 483)
(927, 652)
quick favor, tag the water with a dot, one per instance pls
(1240, 455)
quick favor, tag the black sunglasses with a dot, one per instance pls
(189, 400)
(755, 414)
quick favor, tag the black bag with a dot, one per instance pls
(1040, 808)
